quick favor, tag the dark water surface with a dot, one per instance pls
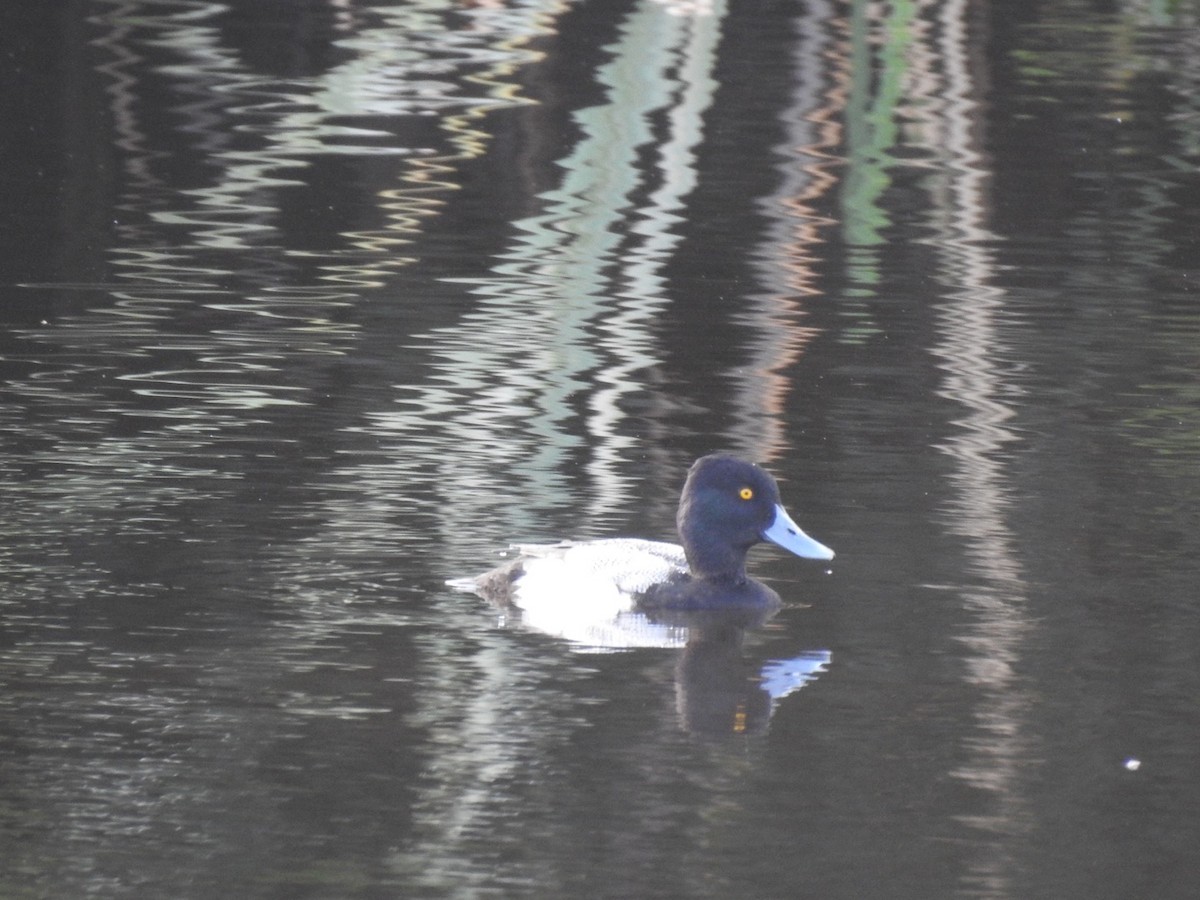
(307, 307)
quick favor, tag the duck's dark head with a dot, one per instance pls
(727, 507)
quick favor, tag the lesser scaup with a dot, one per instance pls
(727, 506)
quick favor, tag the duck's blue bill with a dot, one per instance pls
(787, 534)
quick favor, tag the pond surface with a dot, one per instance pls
(308, 307)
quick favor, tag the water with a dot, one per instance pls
(310, 307)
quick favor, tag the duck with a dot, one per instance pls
(727, 506)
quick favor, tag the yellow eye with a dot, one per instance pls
(746, 493)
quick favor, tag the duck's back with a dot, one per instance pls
(610, 572)
(630, 565)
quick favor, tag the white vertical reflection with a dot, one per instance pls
(971, 349)
(564, 328)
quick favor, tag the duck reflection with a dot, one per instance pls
(720, 687)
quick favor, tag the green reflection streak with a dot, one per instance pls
(876, 90)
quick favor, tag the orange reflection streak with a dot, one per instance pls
(814, 133)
